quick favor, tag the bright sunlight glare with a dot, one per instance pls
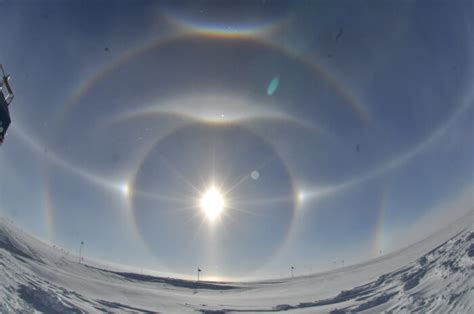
(212, 203)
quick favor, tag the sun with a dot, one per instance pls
(212, 203)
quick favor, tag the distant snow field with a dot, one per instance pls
(434, 275)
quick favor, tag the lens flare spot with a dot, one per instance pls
(255, 175)
(273, 85)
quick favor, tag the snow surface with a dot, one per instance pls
(434, 275)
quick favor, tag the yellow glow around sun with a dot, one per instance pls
(212, 203)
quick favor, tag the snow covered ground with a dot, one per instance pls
(434, 275)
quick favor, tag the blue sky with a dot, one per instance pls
(127, 112)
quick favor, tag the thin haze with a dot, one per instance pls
(330, 128)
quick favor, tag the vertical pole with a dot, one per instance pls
(197, 282)
(80, 251)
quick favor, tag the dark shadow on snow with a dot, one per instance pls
(44, 301)
(122, 307)
(181, 283)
